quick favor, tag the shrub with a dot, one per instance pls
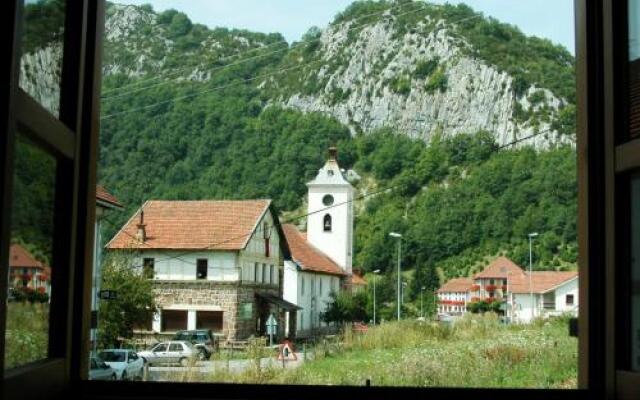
(401, 85)
(437, 81)
(424, 69)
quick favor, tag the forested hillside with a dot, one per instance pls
(423, 99)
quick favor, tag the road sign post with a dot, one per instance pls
(272, 328)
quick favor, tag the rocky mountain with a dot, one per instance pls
(421, 77)
(407, 65)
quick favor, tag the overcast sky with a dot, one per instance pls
(552, 19)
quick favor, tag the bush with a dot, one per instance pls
(424, 69)
(401, 85)
(437, 81)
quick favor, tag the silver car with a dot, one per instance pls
(172, 352)
(126, 363)
(100, 371)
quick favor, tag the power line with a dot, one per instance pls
(298, 217)
(212, 246)
(299, 44)
(279, 71)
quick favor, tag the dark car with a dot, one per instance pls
(202, 339)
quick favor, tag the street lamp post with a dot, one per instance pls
(421, 295)
(376, 272)
(399, 237)
(404, 286)
(533, 304)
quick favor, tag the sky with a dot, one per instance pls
(551, 19)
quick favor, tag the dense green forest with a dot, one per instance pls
(458, 200)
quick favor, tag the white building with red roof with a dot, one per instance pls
(26, 272)
(321, 257)
(525, 295)
(216, 264)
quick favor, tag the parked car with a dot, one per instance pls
(126, 363)
(202, 339)
(171, 352)
(100, 371)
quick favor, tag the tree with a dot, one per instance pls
(135, 302)
(347, 307)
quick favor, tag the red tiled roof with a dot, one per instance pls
(456, 285)
(19, 257)
(541, 281)
(517, 278)
(307, 256)
(208, 224)
(106, 197)
(500, 268)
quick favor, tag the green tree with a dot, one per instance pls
(135, 303)
(347, 307)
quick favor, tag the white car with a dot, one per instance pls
(126, 363)
(172, 352)
(99, 371)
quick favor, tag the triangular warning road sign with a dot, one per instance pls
(286, 352)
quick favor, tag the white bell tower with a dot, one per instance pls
(330, 219)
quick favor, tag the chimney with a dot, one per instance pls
(142, 234)
(333, 153)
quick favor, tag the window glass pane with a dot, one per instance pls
(635, 273)
(432, 143)
(42, 44)
(634, 68)
(30, 267)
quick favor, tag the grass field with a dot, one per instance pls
(27, 333)
(476, 352)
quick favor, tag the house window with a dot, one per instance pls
(264, 273)
(320, 292)
(266, 234)
(202, 267)
(301, 320)
(327, 223)
(302, 287)
(569, 299)
(209, 320)
(255, 272)
(271, 280)
(148, 267)
(173, 320)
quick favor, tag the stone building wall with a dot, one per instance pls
(228, 297)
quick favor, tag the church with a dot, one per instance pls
(321, 257)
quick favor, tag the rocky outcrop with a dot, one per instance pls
(377, 86)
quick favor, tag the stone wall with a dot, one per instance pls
(229, 297)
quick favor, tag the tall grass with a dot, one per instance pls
(27, 334)
(477, 351)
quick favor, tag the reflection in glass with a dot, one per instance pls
(41, 62)
(635, 273)
(29, 285)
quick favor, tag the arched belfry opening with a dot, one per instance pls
(326, 224)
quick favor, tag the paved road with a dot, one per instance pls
(164, 373)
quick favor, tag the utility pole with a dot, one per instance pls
(421, 296)
(375, 273)
(399, 237)
(533, 303)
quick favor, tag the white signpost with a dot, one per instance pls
(272, 328)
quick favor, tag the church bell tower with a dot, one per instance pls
(330, 219)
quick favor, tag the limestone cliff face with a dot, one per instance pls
(40, 73)
(378, 86)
